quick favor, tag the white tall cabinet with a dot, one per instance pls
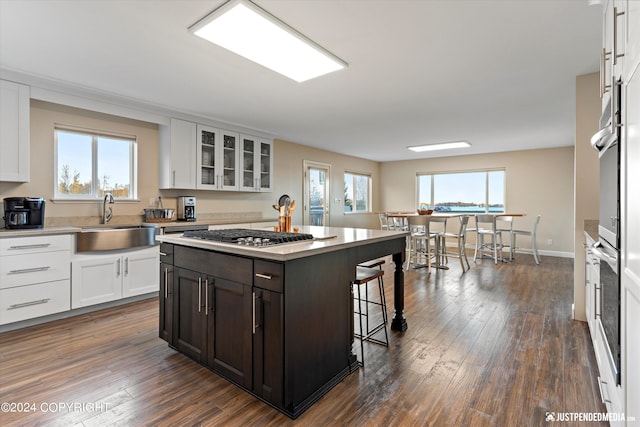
(630, 206)
(14, 132)
(621, 42)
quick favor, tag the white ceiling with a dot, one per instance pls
(499, 74)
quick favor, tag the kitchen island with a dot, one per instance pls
(275, 320)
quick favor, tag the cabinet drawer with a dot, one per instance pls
(268, 275)
(166, 253)
(20, 270)
(35, 244)
(27, 302)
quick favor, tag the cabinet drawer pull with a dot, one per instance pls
(126, 266)
(41, 245)
(264, 276)
(30, 303)
(199, 294)
(118, 268)
(29, 270)
(163, 254)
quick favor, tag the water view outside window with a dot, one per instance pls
(90, 165)
(464, 192)
(357, 190)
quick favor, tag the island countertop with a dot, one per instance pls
(326, 239)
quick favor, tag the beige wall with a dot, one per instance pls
(588, 110)
(44, 116)
(288, 175)
(289, 158)
(537, 182)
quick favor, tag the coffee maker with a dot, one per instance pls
(186, 208)
(24, 212)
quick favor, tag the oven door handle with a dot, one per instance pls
(602, 255)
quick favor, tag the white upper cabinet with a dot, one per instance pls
(195, 156)
(14, 132)
(256, 164)
(217, 162)
(177, 155)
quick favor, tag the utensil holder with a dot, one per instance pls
(284, 223)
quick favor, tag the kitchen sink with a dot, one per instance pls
(113, 237)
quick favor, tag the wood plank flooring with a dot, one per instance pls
(495, 346)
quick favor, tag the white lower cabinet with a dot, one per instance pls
(28, 302)
(34, 277)
(98, 278)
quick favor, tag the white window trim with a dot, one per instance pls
(486, 184)
(95, 133)
(369, 193)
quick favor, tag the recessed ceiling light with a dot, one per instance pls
(248, 30)
(440, 146)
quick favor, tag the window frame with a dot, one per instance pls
(369, 191)
(486, 187)
(96, 193)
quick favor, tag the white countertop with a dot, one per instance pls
(328, 239)
(25, 232)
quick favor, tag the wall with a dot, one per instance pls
(44, 116)
(288, 164)
(587, 179)
(288, 175)
(538, 182)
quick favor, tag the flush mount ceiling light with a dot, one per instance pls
(248, 30)
(440, 146)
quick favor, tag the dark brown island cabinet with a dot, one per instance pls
(277, 324)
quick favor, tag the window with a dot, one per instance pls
(90, 164)
(357, 193)
(465, 192)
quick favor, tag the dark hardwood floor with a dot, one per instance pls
(495, 346)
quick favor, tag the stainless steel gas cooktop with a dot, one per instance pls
(248, 237)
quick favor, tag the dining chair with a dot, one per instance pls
(437, 226)
(504, 224)
(533, 235)
(420, 241)
(384, 221)
(461, 237)
(486, 226)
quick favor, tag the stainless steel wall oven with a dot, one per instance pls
(607, 143)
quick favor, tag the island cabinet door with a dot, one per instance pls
(229, 322)
(268, 346)
(189, 322)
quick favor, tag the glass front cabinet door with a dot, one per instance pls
(217, 159)
(256, 164)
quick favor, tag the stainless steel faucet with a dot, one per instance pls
(107, 213)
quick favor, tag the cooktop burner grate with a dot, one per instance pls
(248, 237)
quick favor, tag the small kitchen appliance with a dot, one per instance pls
(186, 208)
(24, 212)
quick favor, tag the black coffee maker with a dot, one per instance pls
(24, 212)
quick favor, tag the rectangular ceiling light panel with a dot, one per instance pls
(440, 146)
(247, 30)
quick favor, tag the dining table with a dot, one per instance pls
(446, 214)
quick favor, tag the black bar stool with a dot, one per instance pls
(365, 273)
